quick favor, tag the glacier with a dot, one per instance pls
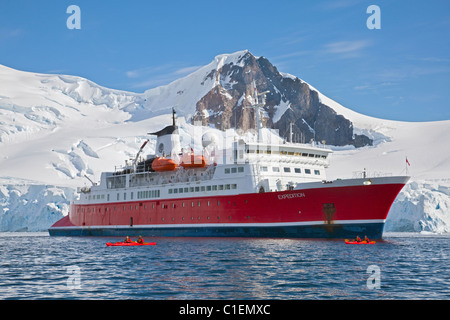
(55, 129)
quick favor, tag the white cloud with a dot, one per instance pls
(347, 47)
(159, 75)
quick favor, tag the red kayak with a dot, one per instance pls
(360, 242)
(129, 244)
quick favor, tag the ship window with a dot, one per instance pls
(227, 187)
(192, 203)
(208, 188)
(218, 202)
(311, 155)
(170, 191)
(308, 171)
(197, 189)
(118, 197)
(180, 190)
(132, 195)
(175, 190)
(241, 169)
(287, 169)
(208, 203)
(304, 154)
(233, 170)
(220, 186)
(234, 186)
(317, 172)
(264, 169)
(191, 189)
(202, 188)
(214, 188)
(297, 170)
(186, 190)
(198, 203)
(227, 170)
(275, 169)
(124, 196)
(107, 197)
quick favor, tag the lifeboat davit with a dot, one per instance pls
(163, 164)
(192, 161)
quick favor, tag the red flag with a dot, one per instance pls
(408, 162)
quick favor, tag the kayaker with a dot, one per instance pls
(357, 239)
(366, 239)
(140, 240)
(127, 239)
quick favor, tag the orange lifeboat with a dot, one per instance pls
(192, 161)
(163, 164)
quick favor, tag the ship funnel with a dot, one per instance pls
(168, 140)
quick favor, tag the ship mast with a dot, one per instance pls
(258, 106)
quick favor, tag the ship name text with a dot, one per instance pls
(291, 196)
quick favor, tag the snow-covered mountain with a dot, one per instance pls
(54, 129)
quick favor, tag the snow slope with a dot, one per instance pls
(54, 129)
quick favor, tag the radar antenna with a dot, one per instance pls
(258, 107)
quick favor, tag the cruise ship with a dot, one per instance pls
(251, 189)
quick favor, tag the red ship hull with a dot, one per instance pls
(341, 209)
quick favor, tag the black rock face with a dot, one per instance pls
(227, 104)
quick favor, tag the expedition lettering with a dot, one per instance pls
(291, 196)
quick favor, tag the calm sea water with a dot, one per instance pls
(36, 266)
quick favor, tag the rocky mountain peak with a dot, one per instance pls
(290, 100)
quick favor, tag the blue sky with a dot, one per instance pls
(399, 72)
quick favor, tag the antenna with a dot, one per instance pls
(258, 106)
(173, 116)
(290, 132)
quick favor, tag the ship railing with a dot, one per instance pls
(370, 174)
(180, 176)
